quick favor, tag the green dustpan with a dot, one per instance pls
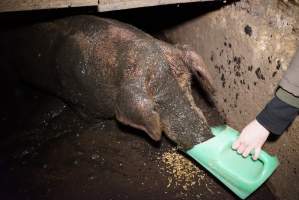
(242, 175)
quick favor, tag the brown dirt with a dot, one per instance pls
(47, 152)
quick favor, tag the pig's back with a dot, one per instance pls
(80, 59)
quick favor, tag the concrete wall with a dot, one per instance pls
(248, 46)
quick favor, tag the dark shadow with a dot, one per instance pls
(167, 16)
(12, 19)
(273, 138)
(206, 95)
(145, 18)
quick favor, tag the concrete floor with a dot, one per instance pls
(47, 152)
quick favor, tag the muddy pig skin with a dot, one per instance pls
(107, 69)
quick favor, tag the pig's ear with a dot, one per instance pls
(198, 68)
(136, 109)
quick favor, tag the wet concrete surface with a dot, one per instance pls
(48, 152)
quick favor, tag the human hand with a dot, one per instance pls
(253, 136)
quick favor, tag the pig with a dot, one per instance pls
(107, 69)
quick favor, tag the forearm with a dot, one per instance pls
(280, 112)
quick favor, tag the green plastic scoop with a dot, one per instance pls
(242, 175)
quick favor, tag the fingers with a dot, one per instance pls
(247, 151)
(241, 148)
(253, 136)
(256, 153)
(236, 144)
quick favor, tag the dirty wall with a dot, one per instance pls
(248, 46)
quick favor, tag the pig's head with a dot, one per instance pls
(156, 97)
(181, 120)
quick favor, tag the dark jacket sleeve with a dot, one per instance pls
(277, 116)
(281, 111)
